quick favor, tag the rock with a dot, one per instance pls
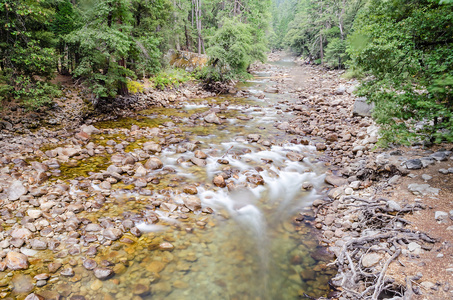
(190, 189)
(34, 213)
(440, 156)
(166, 246)
(153, 163)
(414, 164)
(83, 136)
(212, 118)
(254, 137)
(371, 259)
(90, 129)
(68, 272)
(42, 276)
(198, 161)
(340, 90)
(422, 189)
(284, 126)
(92, 227)
(413, 246)
(362, 108)
(441, 216)
(394, 179)
(89, 264)
(444, 171)
(256, 179)
(335, 193)
(336, 180)
(355, 185)
(152, 146)
(16, 261)
(193, 203)
(112, 233)
(332, 137)
(16, 190)
(22, 284)
(393, 206)
(38, 244)
(34, 296)
(54, 266)
(320, 146)
(318, 202)
(307, 186)
(219, 181)
(294, 156)
(426, 177)
(155, 266)
(21, 233)
(96, 285)
(200, 154)
(140, 289)
(103, 273)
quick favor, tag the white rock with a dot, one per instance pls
(426, 177)
(34, 213)
(394, 206)
(371, 259)
(348, 191)
(16, 190)
(441, 216)
(413, 246)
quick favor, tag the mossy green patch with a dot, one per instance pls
(84, 167)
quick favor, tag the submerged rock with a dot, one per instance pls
(103, 273)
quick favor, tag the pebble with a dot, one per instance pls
(103, 273)
(166, 246)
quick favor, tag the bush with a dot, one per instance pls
(171, 78)
(405, 49)
(232, 49)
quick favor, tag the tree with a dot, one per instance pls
(26, 50)
(232, 49)
(405, 48)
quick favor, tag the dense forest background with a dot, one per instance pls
(400, 49)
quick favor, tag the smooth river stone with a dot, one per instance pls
(16, 261)
(155, 266)
(22, 283)
(103, 273)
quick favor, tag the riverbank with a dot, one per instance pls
(388, 214)
(147, 205)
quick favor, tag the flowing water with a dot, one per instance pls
(251, 246)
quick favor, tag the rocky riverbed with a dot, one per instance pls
(193, 196)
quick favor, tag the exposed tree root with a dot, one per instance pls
(380, 228)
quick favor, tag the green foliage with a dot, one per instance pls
(231, 51)
(406, 48)
(336, 55)
(171, 78)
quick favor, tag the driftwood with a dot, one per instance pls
(354, 281)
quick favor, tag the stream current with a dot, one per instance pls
(245, 244)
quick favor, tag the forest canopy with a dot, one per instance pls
(401, 49)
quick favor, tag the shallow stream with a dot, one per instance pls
(254, 244)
